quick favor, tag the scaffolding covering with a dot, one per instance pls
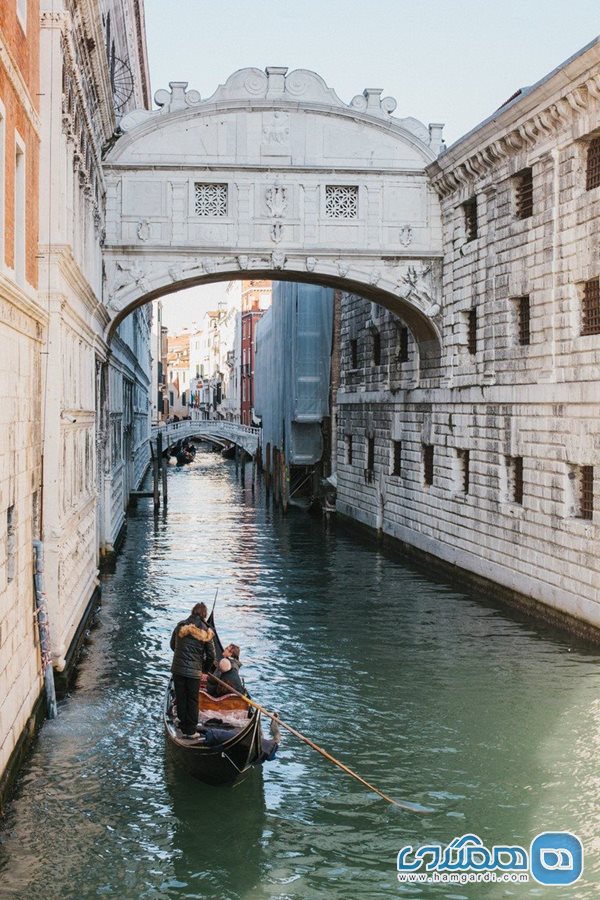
(292, 370)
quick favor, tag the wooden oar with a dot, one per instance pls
(402, 804)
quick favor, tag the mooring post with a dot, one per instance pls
(155, 467)
(243, 465)
(162, 463)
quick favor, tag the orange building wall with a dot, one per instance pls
(24, 49)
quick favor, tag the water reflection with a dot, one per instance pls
(430, 692)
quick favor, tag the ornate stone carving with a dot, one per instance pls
(374, 276)
(276, 232)
(143, 230)
(175, 273)
(276, 200)
(278, 259)
(209, 266)
(311, 263)
(406, 235)
(243, 262)
(342, 267)
(416, 285)
(277, 130)
(125, 275)
(177, 98)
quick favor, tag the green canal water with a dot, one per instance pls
(429, 691)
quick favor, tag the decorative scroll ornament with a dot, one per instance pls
(406, 235)
(278, 259)
(143, 230)
(125, 276)
(311, 263)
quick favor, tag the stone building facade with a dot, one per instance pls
(22, 326)
(493, 465)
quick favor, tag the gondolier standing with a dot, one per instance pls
(193, 649)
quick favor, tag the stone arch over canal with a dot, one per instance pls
(274, 176)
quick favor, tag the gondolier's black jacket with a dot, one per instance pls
(192, 644)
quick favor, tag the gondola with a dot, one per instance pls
(231, 742)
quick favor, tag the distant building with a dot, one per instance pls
(292, 383)
(256, 299)
(159, 350)
(178, 373)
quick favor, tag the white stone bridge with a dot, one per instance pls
(213, 430)
(274, 176)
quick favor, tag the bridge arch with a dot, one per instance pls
(274, 176)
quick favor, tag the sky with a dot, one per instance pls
(454, 61)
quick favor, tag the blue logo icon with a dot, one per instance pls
(556, 857)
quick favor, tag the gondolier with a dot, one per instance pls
(193, 654)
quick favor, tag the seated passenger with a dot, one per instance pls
(227, 671)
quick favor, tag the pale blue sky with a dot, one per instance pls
(452, 62)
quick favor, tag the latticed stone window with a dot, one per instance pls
(210, 199)
(341, 201)
(428, 463)
(523, 182)
(593, 164)
(514, 472)
(470, 214)
(590, 307)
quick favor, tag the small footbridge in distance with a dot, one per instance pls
(214, 431)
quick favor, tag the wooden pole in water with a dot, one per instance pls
(402, 804)
(163, 466)
(156, 495)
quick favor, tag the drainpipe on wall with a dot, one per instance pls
(41, 605)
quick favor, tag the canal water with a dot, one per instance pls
(426, 689)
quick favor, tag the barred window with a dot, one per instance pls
(428, 463)
(514, 470)
(376, 348)
(396, 458)
(593, 164)
(523, 317)
(523, 182)
(210, 199)
(341, 201)
(472, 331)
(464, 458)
(470, 214)
(590, 307)
(403, 345)
(581, 480)
(370, 454)
(354, 353)
(349, 449)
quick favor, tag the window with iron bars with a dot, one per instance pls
(396, 458)
(472, 331)
(590, 307)
(470, 214)
(370, 454)
(403, 345)
(514, 471)
(349, 449)
(376, 348)
(464, 459)
(523, 319)
(593, 165)
(582, 491)
(523, 182)
(354, 354)
(428, 464)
